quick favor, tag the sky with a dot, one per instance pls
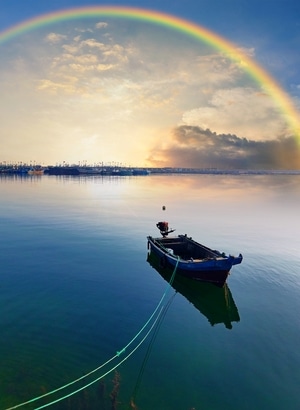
(131, 92)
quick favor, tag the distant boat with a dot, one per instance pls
(35, 171)
(214, 302)
(192, 259)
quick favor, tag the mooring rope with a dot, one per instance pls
(108, 361)
(162, 316)
(105, 374)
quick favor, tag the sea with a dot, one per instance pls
(89, 321)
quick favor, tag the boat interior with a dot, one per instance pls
(186, 249)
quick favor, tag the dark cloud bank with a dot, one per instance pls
(195, 147)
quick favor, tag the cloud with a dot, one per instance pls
(84, 59)
(74, 65)
(101, 25)
(53, 87)
(55, 38)
(239, 110)
(250, 51)
(92, 43)
(195, 147)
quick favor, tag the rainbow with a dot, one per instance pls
(261, 76)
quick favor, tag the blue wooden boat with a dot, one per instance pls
(192, 259)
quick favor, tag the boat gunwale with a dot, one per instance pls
(216, 255)
(214, 269)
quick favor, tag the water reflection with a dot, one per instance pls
(215, 303)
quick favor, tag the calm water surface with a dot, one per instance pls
(76, 288)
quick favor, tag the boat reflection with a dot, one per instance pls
(215, 303)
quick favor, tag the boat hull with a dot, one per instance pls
(214, 302)
(214, 268)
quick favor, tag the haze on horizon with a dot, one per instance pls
(138, 94)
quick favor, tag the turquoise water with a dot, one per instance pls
(76, 287)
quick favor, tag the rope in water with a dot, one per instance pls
(108, 361)
(156, 330)
(103, 375)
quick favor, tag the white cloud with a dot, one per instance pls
(53, 87)
(83, 30)
(242, 111)
(71, 48)
(92, 43)
(250, 51)
(101, 25)
(55, 38)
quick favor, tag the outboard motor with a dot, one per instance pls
(164, 228)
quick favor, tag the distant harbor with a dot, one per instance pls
(22, 169)
(74, 170)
